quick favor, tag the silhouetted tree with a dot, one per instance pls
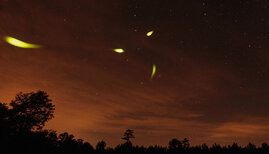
(3, 117)
(265, 145)
(175, 144)
(52, 135)
(186, 143)
(128, 134)
(87, 147)
(125, 147)
(4, 126)
(250, 147)
(66, 138)
(3, 111)
(30, 111)
(234, 148)
(100, 146)
(216, 148)
(204, 147)
(67, 143)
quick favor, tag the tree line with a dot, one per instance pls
(23, 119)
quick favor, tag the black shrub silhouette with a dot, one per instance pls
(175, 145)
(186, 143)
(100, 146)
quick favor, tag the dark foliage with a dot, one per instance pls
(21, 131)
(128, 134)
(30, 111)
(100, 146)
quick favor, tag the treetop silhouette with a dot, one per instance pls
(128, 134)
(30, 111)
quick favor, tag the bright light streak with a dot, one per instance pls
(153, 71)
(119, 50)
(19, 43)
(150, 33)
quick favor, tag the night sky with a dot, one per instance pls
(211, 56)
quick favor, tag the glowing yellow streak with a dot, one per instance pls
(150, 33)
(119, 50)
(19, 43)
(153, 71)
